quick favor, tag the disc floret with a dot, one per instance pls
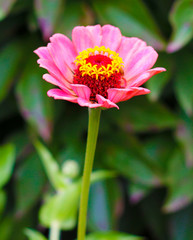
(88, 68)
(99, 68)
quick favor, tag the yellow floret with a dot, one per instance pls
(92, 70)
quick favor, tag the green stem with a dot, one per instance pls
(93, 127)
(54, 231)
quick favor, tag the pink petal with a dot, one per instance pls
(51, 58)
(82, 39)
(59, 61)
(118, 95)
(96, 34)
(140, 62)
(106, 103)
(47, 62)
(63, 85)
(43, 52)
(65, 49)
(144, 77)
(128, 47)
(111, 37)
(53, 70)
(59, 94)
(86, 103)
(81, 91)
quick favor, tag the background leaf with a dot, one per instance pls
(155, 116)
(7, 153)
(181, 18)
(10, 60)
(180, 184)
(111, 235)
(48, 13)
(51, 167)
(35, 106)
(129, 17)
(2, 201)
(54, 209)
(105, 198)
(5, 7)
(184, 84)
(30, 175)
(34, 235)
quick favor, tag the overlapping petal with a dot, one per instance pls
(111, 37)
(82, 39)
(60, 94)
(106, 103)
(65, 49)
(58, 59)
(141, 61)
(118, 95)
(63, 85)
(96, 34)
(141, 79)
(81, 91)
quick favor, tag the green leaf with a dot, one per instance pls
(181, 18)
(61, 208)
(138, 191)
(103, 208)
(48, 13)
(10, 59)
(129, 17)
(7, 153)
(74, 14)
(123, 155)
(160, 148)
(111, 236)
(131, 164)
(29, 183)
(155, 116)
(184, 134)
(101, 175)
(2, 201)
(34, 104)
(180, 183)
(184, 83)
(158, 82)
(6, 226)
(51, 166)
(153, 217)
(181, 223)
(20, 141)
(5, 7)
(34, 235)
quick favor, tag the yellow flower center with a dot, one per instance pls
(99, 61)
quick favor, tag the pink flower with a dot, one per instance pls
(99, 67)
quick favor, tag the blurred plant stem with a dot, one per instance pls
(54, 231)
(93, 127)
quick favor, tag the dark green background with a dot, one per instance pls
(149, 141)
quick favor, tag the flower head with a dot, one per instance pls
(99, 67)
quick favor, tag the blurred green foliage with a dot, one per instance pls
(148, 142)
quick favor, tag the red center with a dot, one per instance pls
(99, 60)
(103, 83)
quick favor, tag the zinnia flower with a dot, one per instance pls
(99, 67)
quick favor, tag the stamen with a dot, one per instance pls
(99, 61)
(99, 68)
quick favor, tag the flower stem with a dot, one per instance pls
(93, 127)
(54, 231)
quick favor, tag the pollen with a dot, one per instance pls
(99, 61)
(99, 68)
